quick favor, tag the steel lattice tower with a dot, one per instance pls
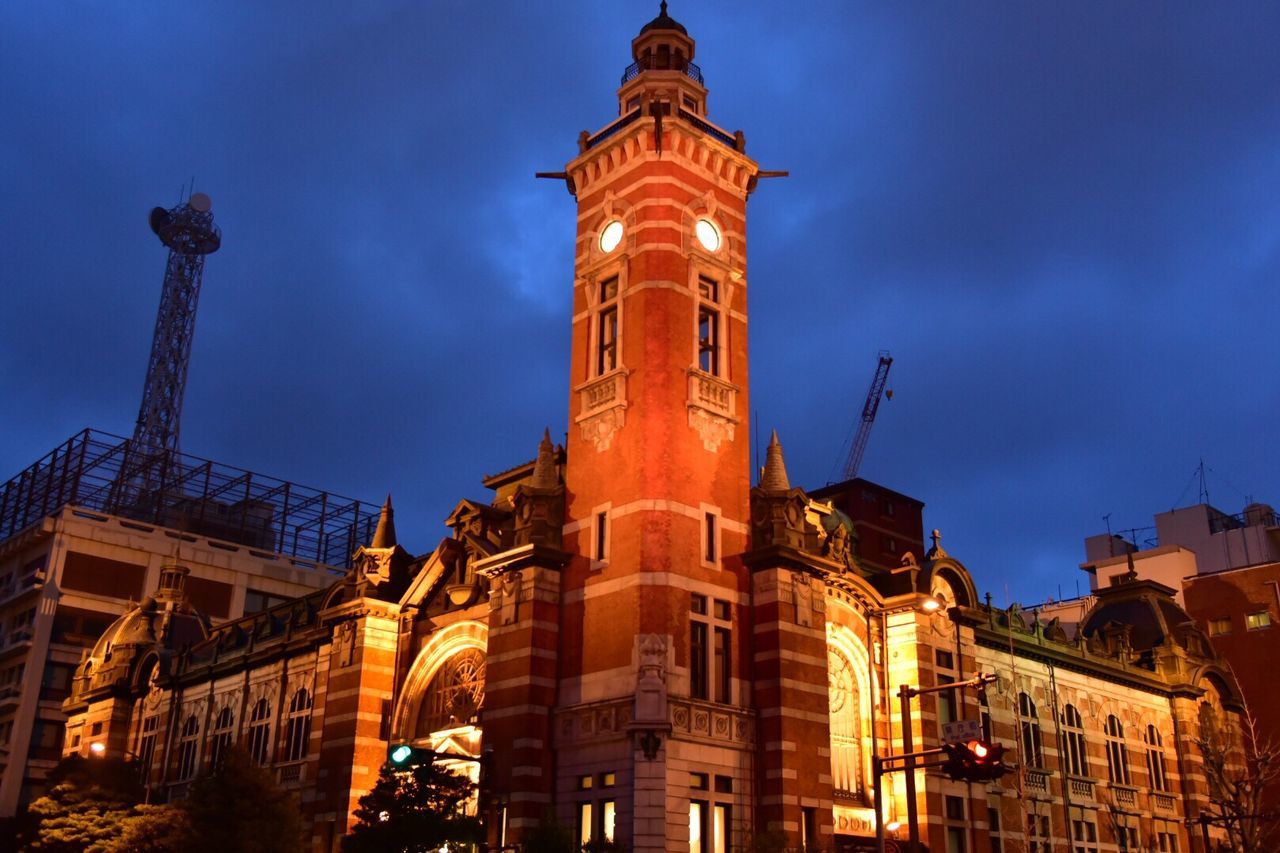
(190, 234)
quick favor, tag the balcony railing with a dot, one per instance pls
(1081, 789)
(1163, 802)
(690, 70)
(1125, 796)
(1037, 780)
(613, 129)
(709, 129)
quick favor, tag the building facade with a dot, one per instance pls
(78, 549)
(632, 637)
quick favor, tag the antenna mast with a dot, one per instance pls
(190, 234)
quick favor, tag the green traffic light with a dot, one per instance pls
(401, 753)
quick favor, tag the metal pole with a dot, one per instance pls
(877, 773)
(904, 695)
(1204, 829)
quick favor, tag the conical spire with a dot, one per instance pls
(544, 468)
(774, 476)
(385, 535)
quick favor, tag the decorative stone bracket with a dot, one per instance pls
(712, 408)
(604, 408)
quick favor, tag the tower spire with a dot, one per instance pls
(385, 535)
(544, 468)
(774, 478)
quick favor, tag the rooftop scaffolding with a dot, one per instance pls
(99, 471)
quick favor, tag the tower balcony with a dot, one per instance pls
(657, 63)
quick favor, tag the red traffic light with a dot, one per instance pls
(974, 761)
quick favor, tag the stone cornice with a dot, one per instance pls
(524, 556)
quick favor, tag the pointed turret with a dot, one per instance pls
(385, 535)
(774, 477)
(544, 468)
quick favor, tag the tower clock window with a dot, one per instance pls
(708, 234)
(611, 236)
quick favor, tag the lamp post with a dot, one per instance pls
(909, 758)
(98, 749)
(926, 604)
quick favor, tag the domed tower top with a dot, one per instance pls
(663, 70)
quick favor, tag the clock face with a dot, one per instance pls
(708, 234)
(610, 236)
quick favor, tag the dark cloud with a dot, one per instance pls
(1062, 220)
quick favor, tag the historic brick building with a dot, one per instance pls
(638, 640)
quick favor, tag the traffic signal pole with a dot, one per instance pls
(909, 758)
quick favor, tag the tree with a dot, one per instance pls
(153, 829)
(1238, 767)
(240, 807)
(413, 810)
(549, 836)
(87, 803)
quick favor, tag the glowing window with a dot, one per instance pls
(708, 234)
(611, 236)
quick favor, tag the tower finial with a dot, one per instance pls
(385, 535)
(662, 7)
(544, 467)
(774, 477)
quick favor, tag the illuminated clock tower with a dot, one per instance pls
(653, 696)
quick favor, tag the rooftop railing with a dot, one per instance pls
(690, 70)
(99, 471)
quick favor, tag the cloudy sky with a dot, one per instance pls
(1063, 219)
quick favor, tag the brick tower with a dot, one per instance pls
(651, 691)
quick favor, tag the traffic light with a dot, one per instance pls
(974, 761)
(404, 755)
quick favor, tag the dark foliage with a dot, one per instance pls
(413, 811)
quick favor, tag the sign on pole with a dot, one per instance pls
(959, 731)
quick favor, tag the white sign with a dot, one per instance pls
(959, 731)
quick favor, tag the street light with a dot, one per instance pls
(919, 603)
(99, 750)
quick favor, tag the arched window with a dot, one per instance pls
(147, 744)
(454, 696)
(297, 732)
(1117, 753)
(1032, 750)
(188, 745)
(846, 725)
(1073, 734)
(259, 741)
(1155, 759)
(220, 738)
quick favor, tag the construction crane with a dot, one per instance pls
(869, 408)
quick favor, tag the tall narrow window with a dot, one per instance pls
(220, 738)
(708, 326)
(1117, 753)
(259, 741)
(1155, 759)
(607, 327)
(710, 533)
(698, 835)
(721, 667)
(1073, 732)
(147, 745)
(187, 747)
(1032, 749)
(298, 727)
(698, 659)
(602, 535)
(710, 649)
